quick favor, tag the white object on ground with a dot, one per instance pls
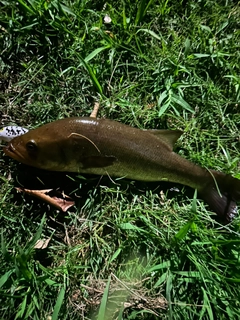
(10, 132)
(107, 19)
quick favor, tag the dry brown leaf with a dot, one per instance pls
(42, 244)
(54, 197)
(95, 110)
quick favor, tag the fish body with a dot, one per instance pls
(106, 147)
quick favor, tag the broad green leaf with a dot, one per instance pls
(21, 265)
(115, 255)
(201, 55)
(194, 202)
(50, 282)
(206, 28)
(161, 280)
(181, 234)
(164, 108)
(130, 226)
(222, 26)
(95, 52)
(187, 46)
(162, 97)
(180, 101)
(152, 33)
(67, 9)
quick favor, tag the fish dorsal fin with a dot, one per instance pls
(168, 136)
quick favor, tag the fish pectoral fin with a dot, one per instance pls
(168, 136)
(98, 161)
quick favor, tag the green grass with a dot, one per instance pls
(127, 250)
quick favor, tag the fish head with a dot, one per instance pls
(37, 150)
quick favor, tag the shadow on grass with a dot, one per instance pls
(78, 186)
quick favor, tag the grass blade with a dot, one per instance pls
(92, 75)
(103, 305)
(26, 7)
(5, 277)
(168, 294)
(207, 304)
(58, 304)
(35, 238)
(140, 12)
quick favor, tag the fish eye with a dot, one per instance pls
(31, 146)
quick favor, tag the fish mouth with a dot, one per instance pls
(10, 151)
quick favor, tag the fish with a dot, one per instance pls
(10, 132)
(106, 147)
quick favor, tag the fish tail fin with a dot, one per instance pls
(221, 194)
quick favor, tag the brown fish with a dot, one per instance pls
(101, 146)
